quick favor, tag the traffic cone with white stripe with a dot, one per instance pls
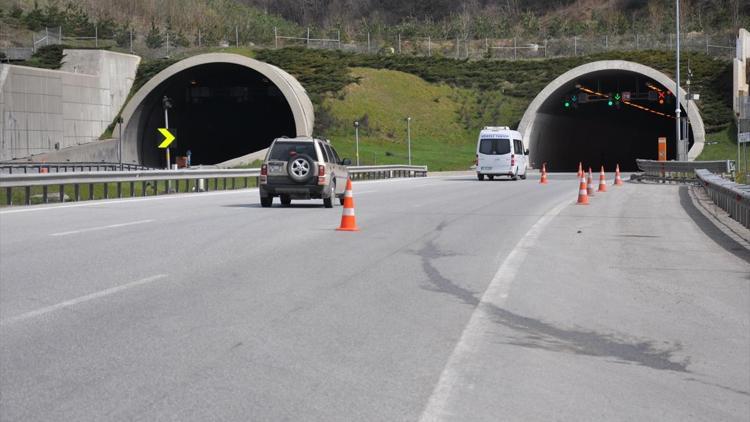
(348, 221)
(602, 181)
(590, 184)
(618, 180)
(580, 170)
(583, 197)
(543, 180)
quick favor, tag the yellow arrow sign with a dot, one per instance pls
(168, 137)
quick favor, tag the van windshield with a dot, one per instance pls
(494, 146)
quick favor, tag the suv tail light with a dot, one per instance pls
(512, 160)
(321, 174)
(264, 173)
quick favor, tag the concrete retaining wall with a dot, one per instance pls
(48, 110)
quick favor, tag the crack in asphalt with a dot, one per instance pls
(538, 334)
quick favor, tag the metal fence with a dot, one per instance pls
(679, 171)
(459, 47)
(732, 197)
(77, 186)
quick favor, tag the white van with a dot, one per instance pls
(500, 152)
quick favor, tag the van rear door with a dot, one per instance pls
(494, 155)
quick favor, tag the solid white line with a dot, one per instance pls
(111, 226)
(79, 300)
(496, 293)
(99, 202)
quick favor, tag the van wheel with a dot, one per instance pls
(480, 176)
(491, 177)
(515, 175)
(523, 176)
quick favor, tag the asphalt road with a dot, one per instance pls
(457, 300)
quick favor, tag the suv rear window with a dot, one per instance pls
(494, 146)
(286, 150)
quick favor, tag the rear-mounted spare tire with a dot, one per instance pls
(300, 168)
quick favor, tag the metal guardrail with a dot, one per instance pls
(386, 172)
(680, 171)
(139, 183)
(65, 166)
(733, 198)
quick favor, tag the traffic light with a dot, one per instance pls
(566, 103)
(610, 101)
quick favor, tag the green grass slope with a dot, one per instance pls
(442, 119)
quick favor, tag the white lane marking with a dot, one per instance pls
(480, 321)
(81, 299)
(182, 196)
(127, 201)
(111, 226)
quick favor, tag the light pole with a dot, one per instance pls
(119, 142)
(166, 104)
(356, 139)
(680, 145)
(408, 136)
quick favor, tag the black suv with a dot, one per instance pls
(302, 168)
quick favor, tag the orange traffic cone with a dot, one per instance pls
(580, 170)
(590, 184)
(348, 221)
(602, 181)
(543, 180)
(618, 180)
(583, 197)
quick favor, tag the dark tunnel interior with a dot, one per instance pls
(219, 111)
(604, 118)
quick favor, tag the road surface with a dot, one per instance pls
(458, 300)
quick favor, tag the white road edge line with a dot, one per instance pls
(81, 299)
(111, 226)
(193, 195)
(496, 293)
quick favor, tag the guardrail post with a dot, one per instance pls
(44, 194)
(62, 193)
(132, 189)
(106, 190)
(77, 192)
(119, 189)
(91, 191)
(143, 188)
(28, 195)
(9, 196)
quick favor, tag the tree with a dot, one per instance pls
(154, 38)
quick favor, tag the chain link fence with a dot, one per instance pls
(168, 45)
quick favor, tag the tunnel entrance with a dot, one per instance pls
(219, 111)
(607, 113)
(223, 106)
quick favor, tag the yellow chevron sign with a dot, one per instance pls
(168, 137)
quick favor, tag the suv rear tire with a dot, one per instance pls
(286, 200)
(266, 201)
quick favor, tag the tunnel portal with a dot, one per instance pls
(219, 106)
(219, 111)
(604, 117)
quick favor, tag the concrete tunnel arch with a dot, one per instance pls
(542, 126)
(256, 100)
